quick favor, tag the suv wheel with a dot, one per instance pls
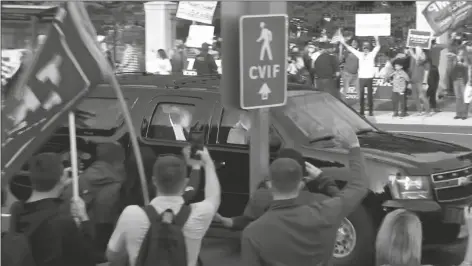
(355, 240)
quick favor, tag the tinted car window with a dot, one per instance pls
(314, 113)
(171, 121)
(234, 126)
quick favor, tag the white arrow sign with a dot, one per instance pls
(264, 91)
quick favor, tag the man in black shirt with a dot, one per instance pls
(326, 70)
(57, 240)
(204, 62)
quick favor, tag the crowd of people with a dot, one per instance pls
(412, 71)
(283, 224)
(167, 64)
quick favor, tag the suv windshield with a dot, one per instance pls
(314, 113)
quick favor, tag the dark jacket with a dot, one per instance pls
(58, 241)
(100, 187)
(205, 64)
(262, 198)
(303, 234)
(351, 63)
(326, 66)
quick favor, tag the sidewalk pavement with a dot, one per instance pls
(383, 114)
(436, 119)
(447, 104)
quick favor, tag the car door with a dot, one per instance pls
(157, 132)
(232, 161)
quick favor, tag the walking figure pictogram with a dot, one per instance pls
(266, 39)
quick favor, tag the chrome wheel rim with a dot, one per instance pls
(345, 239)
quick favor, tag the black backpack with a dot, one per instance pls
(16, 246)
(164, 244)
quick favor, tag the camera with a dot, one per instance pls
(196, 140)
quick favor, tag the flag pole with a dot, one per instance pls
(86, 31)
(133, 136)
(73, 156)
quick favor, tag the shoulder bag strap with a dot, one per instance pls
(151, 213)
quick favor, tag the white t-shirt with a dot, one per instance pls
(159, 66)
(133, 225)
(366, 63)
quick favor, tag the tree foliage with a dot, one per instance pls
(403, 14)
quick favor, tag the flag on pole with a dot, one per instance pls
(443, 16)
(65, 68)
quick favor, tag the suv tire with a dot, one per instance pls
(362, 252)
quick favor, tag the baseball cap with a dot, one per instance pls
(46, 171)
(285, 174)
(169, 172)
(295, 155)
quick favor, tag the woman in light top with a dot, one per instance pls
(399, 240)
(161, 65)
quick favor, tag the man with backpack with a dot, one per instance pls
(167, 231)
(100, 187)
(40, 234)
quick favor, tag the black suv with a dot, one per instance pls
(429, 177)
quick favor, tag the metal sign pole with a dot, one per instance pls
(242, 87)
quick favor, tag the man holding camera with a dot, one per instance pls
(303, 232)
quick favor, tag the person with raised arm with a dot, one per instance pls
(134, 232)
(298, 233)
(366, 71)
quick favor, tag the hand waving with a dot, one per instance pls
(205, 155)
(313, 172)
(195, 164)
(344, 135)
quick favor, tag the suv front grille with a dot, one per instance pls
(453, 185)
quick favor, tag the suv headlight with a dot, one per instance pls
(410, 187)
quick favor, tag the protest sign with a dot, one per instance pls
(190, 71)
(447, 15)
(199, 34)
(200, 11)
(64, 69)
(373, 24)
(419, 38)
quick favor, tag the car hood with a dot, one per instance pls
(414, 154)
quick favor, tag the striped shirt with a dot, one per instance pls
(130, 62)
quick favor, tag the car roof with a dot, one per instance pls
(148, 85)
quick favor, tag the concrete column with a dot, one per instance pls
(159, 27)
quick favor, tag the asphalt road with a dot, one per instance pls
(220, 251)
(454, 134)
